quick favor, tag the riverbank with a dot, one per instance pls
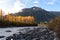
(9, 24)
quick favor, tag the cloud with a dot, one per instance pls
(12, 7)
(36, 2)
(26, 1)
(52, 2)
(17, 6)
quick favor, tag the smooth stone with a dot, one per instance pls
(2, 36)
(8, 31)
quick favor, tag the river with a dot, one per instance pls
(12, 29)
(5, 31)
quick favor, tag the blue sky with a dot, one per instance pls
(13, 6)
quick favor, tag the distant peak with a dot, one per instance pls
(33, 9)
(36, 8)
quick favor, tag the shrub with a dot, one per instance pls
(55, 26)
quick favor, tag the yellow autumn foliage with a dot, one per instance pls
(22, 19)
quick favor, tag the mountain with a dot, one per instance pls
(57, 13)
(40, 14)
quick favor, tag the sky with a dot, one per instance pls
(14, 6)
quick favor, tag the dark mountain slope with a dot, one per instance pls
(40, 14)
(57, 13)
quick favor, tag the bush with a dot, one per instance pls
(55, 26)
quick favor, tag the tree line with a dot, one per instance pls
(10, 20)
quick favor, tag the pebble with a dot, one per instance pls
(35, 34)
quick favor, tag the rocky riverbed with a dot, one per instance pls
(38, 33)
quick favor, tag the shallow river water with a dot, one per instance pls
(12, 29)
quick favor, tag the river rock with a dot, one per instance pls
(35, 34)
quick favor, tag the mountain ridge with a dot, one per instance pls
(40, 14)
